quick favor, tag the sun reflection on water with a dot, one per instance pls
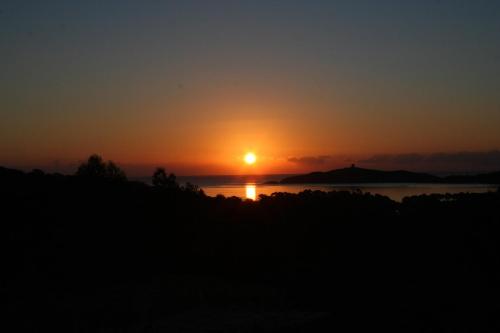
(250, 191)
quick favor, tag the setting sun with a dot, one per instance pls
(250, 158)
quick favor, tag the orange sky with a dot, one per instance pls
(210, 131)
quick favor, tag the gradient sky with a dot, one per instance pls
(193, 85)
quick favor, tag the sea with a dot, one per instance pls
(250, 186)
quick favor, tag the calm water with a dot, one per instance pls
(252, 186)
(394, 191)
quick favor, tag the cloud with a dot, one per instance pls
(453, 162)
(310, 160)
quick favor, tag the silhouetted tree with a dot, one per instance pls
(95, 167)
(114, 172)
(193, 188)
(160, 179)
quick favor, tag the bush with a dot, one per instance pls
(95, 167)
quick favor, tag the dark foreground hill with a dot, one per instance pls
(485, 178)
(360, 175)
(83, 254)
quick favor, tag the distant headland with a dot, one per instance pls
(354, 174)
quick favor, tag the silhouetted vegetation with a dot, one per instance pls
(103, 255)
(95, 167)
(160, 179)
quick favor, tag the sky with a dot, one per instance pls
(305, 85)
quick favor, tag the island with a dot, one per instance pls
(354, 174)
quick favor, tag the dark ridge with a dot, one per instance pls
(485, 178)
(104, 254)
(361, 175)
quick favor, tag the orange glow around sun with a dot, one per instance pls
(250, 158)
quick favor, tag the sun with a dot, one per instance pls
(250, 158)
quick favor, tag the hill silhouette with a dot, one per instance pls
(360, 175)
(97, 253)
(485, 178)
